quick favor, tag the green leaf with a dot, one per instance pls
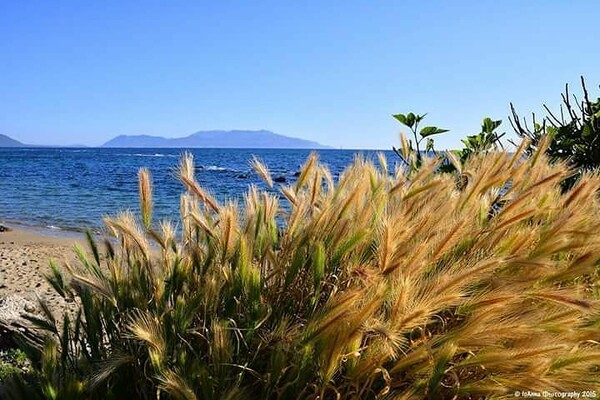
(400, 118)
(490, 125)
(472, 142)
(431, 130)
(93, 246)
(410, 119)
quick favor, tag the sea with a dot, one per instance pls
(69, 190)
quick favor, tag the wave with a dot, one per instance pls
(215, 168)
(150, 155)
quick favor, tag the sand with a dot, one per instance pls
(24, 256)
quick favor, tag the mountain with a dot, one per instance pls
(5, 141)
(137, 141)
(217, 139)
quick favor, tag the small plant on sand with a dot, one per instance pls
(380, 285)
(12, 362)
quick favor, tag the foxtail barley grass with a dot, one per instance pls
(385, 284)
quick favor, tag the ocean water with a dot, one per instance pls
(71, 189)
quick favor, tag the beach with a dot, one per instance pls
(24, 258)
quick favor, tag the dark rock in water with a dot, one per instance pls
(279, 179)
(4, 228)
(297, 174)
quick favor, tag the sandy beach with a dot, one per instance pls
(24, 257)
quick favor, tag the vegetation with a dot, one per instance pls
(413, 158)
(575, 136)
(12, 362)
(488, 139)
(384, 284)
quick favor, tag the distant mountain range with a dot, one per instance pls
(210, 139)
(217, 139)
(6, 141)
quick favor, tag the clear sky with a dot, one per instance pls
(82, 72)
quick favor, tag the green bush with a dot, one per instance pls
(488, 139)
(575, 132)
(380, 285)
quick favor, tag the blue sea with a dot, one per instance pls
(71, 189)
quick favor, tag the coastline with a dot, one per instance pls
(24, 234)
(42, 232)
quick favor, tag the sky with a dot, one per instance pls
(82, 72)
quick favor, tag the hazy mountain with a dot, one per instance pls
(217, 139)
(5, 141)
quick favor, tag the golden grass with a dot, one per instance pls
(385, 284)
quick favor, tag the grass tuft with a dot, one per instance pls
(378, 285)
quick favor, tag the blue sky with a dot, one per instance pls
(330, 71)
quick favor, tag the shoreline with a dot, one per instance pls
(41, 232)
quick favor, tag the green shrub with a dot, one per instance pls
(379, 285)
(575, 132)
(411, 155)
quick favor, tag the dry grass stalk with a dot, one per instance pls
(399, 285)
